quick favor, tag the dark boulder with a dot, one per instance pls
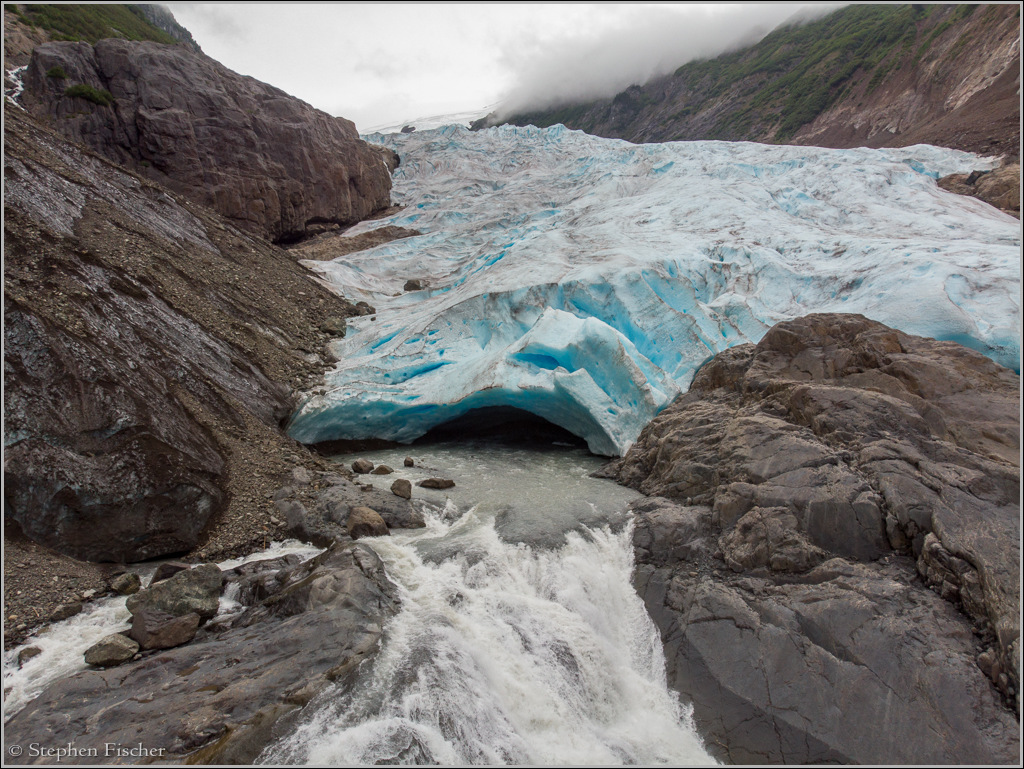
(111, 651)
(66, 611)
(29, 652)
(362, 466)
(365, 522)
(437, 483)
(402, 488)
(127, 583)
(196, 590)
(167, 570)
(153, 629)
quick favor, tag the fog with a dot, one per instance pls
(651, 41)
(385, 63)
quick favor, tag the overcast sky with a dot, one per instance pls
(386, 63)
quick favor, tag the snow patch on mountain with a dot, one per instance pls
(586, 279)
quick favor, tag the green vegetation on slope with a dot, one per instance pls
(775, 87)
(93, 22)
(102, 97)
(802, 69)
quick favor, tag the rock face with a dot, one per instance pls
(817, 483)
(267, 161)
(1000, 188)
(143, 358)
(222, 698)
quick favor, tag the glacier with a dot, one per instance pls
(585, 280)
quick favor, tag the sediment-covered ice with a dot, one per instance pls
(585, 279)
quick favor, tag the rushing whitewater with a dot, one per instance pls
(503, 652)
(585, 280)
(61, 645)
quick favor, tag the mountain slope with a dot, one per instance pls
(145, 369)
(866, 75)
(269, 162)
(27, 25)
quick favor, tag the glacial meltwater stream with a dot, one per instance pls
(520, 639)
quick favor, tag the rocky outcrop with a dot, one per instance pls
(999, 188)
(333, 244)
(270, 163)
(324, 515)
(812, 488)
(150, 354)
(226, 695)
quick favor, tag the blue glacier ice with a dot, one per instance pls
(585, 280)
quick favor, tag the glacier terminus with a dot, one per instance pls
(585, 280)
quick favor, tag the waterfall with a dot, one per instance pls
(505, 653)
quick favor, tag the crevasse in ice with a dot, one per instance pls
(585, 280)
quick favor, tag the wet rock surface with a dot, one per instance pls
(229, 693)
(154, 629)
(272, 164)
(437, 483)
(832, 555)
(321, 514)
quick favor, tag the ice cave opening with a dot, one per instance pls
(502, 424)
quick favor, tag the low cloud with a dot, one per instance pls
(648, 42)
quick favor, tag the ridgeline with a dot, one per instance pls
(865, 75)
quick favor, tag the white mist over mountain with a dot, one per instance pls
(389, 63)
(651, 41)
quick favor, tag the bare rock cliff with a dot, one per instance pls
(150, 354)
(833, 556)
(267, 161)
